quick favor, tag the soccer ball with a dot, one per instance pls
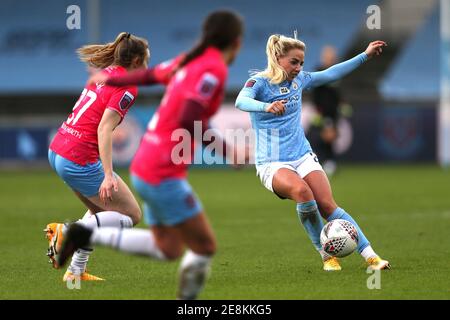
(339, 238)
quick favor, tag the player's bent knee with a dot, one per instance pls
(136, 215)
(172, 254)
(208, 248)
(301, 193)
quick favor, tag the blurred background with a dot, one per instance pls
(386, 126)
(387, 110)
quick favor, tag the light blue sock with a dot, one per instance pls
(309, 216)
(340, 213)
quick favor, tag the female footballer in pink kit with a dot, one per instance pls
(195, 88)
(81, 151)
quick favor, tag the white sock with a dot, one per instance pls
(87, 214)
(194, 270)
(79, 261)
(80, 257)
(105, 218)
(134, 241)
(368, 253)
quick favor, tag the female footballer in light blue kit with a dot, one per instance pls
(285, 162)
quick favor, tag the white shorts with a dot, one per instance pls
(303, 166)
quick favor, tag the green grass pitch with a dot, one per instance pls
(263, 251)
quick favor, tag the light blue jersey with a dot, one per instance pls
(281, 138)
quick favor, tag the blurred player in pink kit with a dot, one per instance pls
(195, 87)
(81, 151)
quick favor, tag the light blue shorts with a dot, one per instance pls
(84, 179)
(169, 203)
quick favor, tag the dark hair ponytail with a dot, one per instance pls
(219, 30)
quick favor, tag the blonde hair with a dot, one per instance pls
(278, 46)
(121, 52)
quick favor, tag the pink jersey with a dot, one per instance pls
(203, 80)
(76, 139)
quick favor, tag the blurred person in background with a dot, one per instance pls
(195, 85)
(287, 165)
(326, 99)
(81, 151)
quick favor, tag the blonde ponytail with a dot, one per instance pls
(277, 47)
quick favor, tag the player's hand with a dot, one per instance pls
(277, 107)
(107, 188)
(375, 48)
(97, 78)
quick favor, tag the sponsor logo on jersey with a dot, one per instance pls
(207, 85)
(250, 83)
(284, 90)
(126, 100)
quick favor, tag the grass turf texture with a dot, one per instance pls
(263, 251)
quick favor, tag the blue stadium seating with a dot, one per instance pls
(37, 50)
(415, 72)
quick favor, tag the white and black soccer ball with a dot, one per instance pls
(339, 238)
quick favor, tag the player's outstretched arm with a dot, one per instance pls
(342, 69)
(138, 77)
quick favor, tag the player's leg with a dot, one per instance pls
(167, 204)
(80, 258)
(89, 204)
(167, 243)
(85, 182)
(97, 217)
(320, 186)
(195, 265)
(159, 241)
(74, 176)
(123, 202)
(309, 163)
(122, 211)
(287, 183)
(175, 212)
